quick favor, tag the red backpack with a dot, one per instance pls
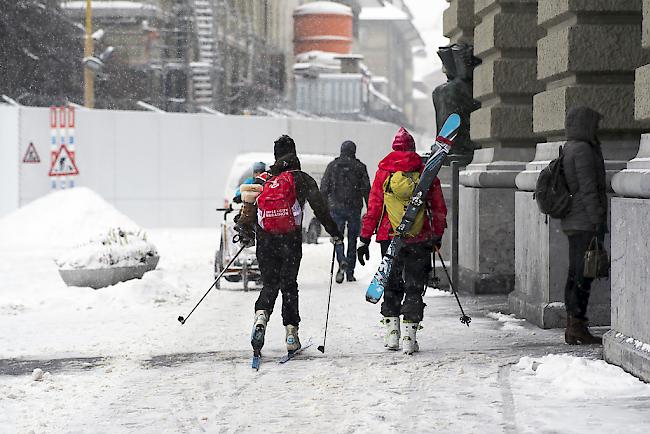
(278, 209)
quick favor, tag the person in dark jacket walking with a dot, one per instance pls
(584, 169)
(279, 254)
(345, 187)
(403, 293)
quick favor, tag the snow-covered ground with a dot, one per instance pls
(119, 361)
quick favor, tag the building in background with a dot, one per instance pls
(354, 59)
(193, 55)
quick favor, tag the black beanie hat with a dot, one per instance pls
(284, 145)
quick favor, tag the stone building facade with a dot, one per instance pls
(541, 58)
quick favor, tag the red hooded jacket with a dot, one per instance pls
(403, 158)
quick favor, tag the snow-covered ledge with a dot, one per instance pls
(495, 167)
(628, 343)
(544, 153)
(634, 181)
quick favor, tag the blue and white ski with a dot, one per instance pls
(289, 356)
(439, 152)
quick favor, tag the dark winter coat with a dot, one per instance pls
(584, 169)
(345, 184)
(307, 191)
(403, 158)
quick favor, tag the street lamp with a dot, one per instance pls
(89, 75)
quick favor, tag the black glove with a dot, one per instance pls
(437, 243)
(363, 250)
(336, 240)
(245, 235)
(236, 199)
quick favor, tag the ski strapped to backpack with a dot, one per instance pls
(278, 209)
(552, 191)
(439, 152)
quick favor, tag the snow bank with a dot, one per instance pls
(115, 248)
(509, 321)
(60, 220)
(576, 377)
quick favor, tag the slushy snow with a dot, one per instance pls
(120, 361)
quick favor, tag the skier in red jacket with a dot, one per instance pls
(403, 293)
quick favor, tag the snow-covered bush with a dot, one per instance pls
(115, 248)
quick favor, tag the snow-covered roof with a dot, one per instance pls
(322, 8)
(418, 94)
(319, 57)
(107, 5)
(388, 12)
(110, 9)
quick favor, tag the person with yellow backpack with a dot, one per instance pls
(396, 178)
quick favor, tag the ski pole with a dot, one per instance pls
(464, 318)
(321, 348)
(182, 319)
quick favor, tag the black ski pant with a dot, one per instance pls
(407, 280)
(578, 287)
(279, 259)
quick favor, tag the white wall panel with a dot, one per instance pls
(137, 154)
(165, 169)
(9, 159)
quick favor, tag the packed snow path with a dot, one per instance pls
(120, 362)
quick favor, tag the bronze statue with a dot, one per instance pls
(455, 96)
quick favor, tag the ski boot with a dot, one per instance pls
(259, 328)
(409, 341)
(391, 338)
(292, 339)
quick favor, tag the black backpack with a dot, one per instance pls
(552, 191)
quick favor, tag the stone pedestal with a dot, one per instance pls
(458, 21)
(628, 343)
(486, 220)
(542, 257)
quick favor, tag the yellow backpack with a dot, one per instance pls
(398, 190)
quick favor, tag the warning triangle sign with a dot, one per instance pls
(31, 156)
(63, 164)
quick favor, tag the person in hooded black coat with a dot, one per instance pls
(584, 169)
(345, 187)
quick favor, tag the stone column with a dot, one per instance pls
(627, 344)
(458, 21)
(505, 39)
(587, 57)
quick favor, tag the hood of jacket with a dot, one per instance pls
(582, 124)
(348, 149)
(403, 141)
(287, 162)
(406, 161)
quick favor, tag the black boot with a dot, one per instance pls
(340, 275)
(577, 333)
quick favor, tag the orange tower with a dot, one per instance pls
(323, 26)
